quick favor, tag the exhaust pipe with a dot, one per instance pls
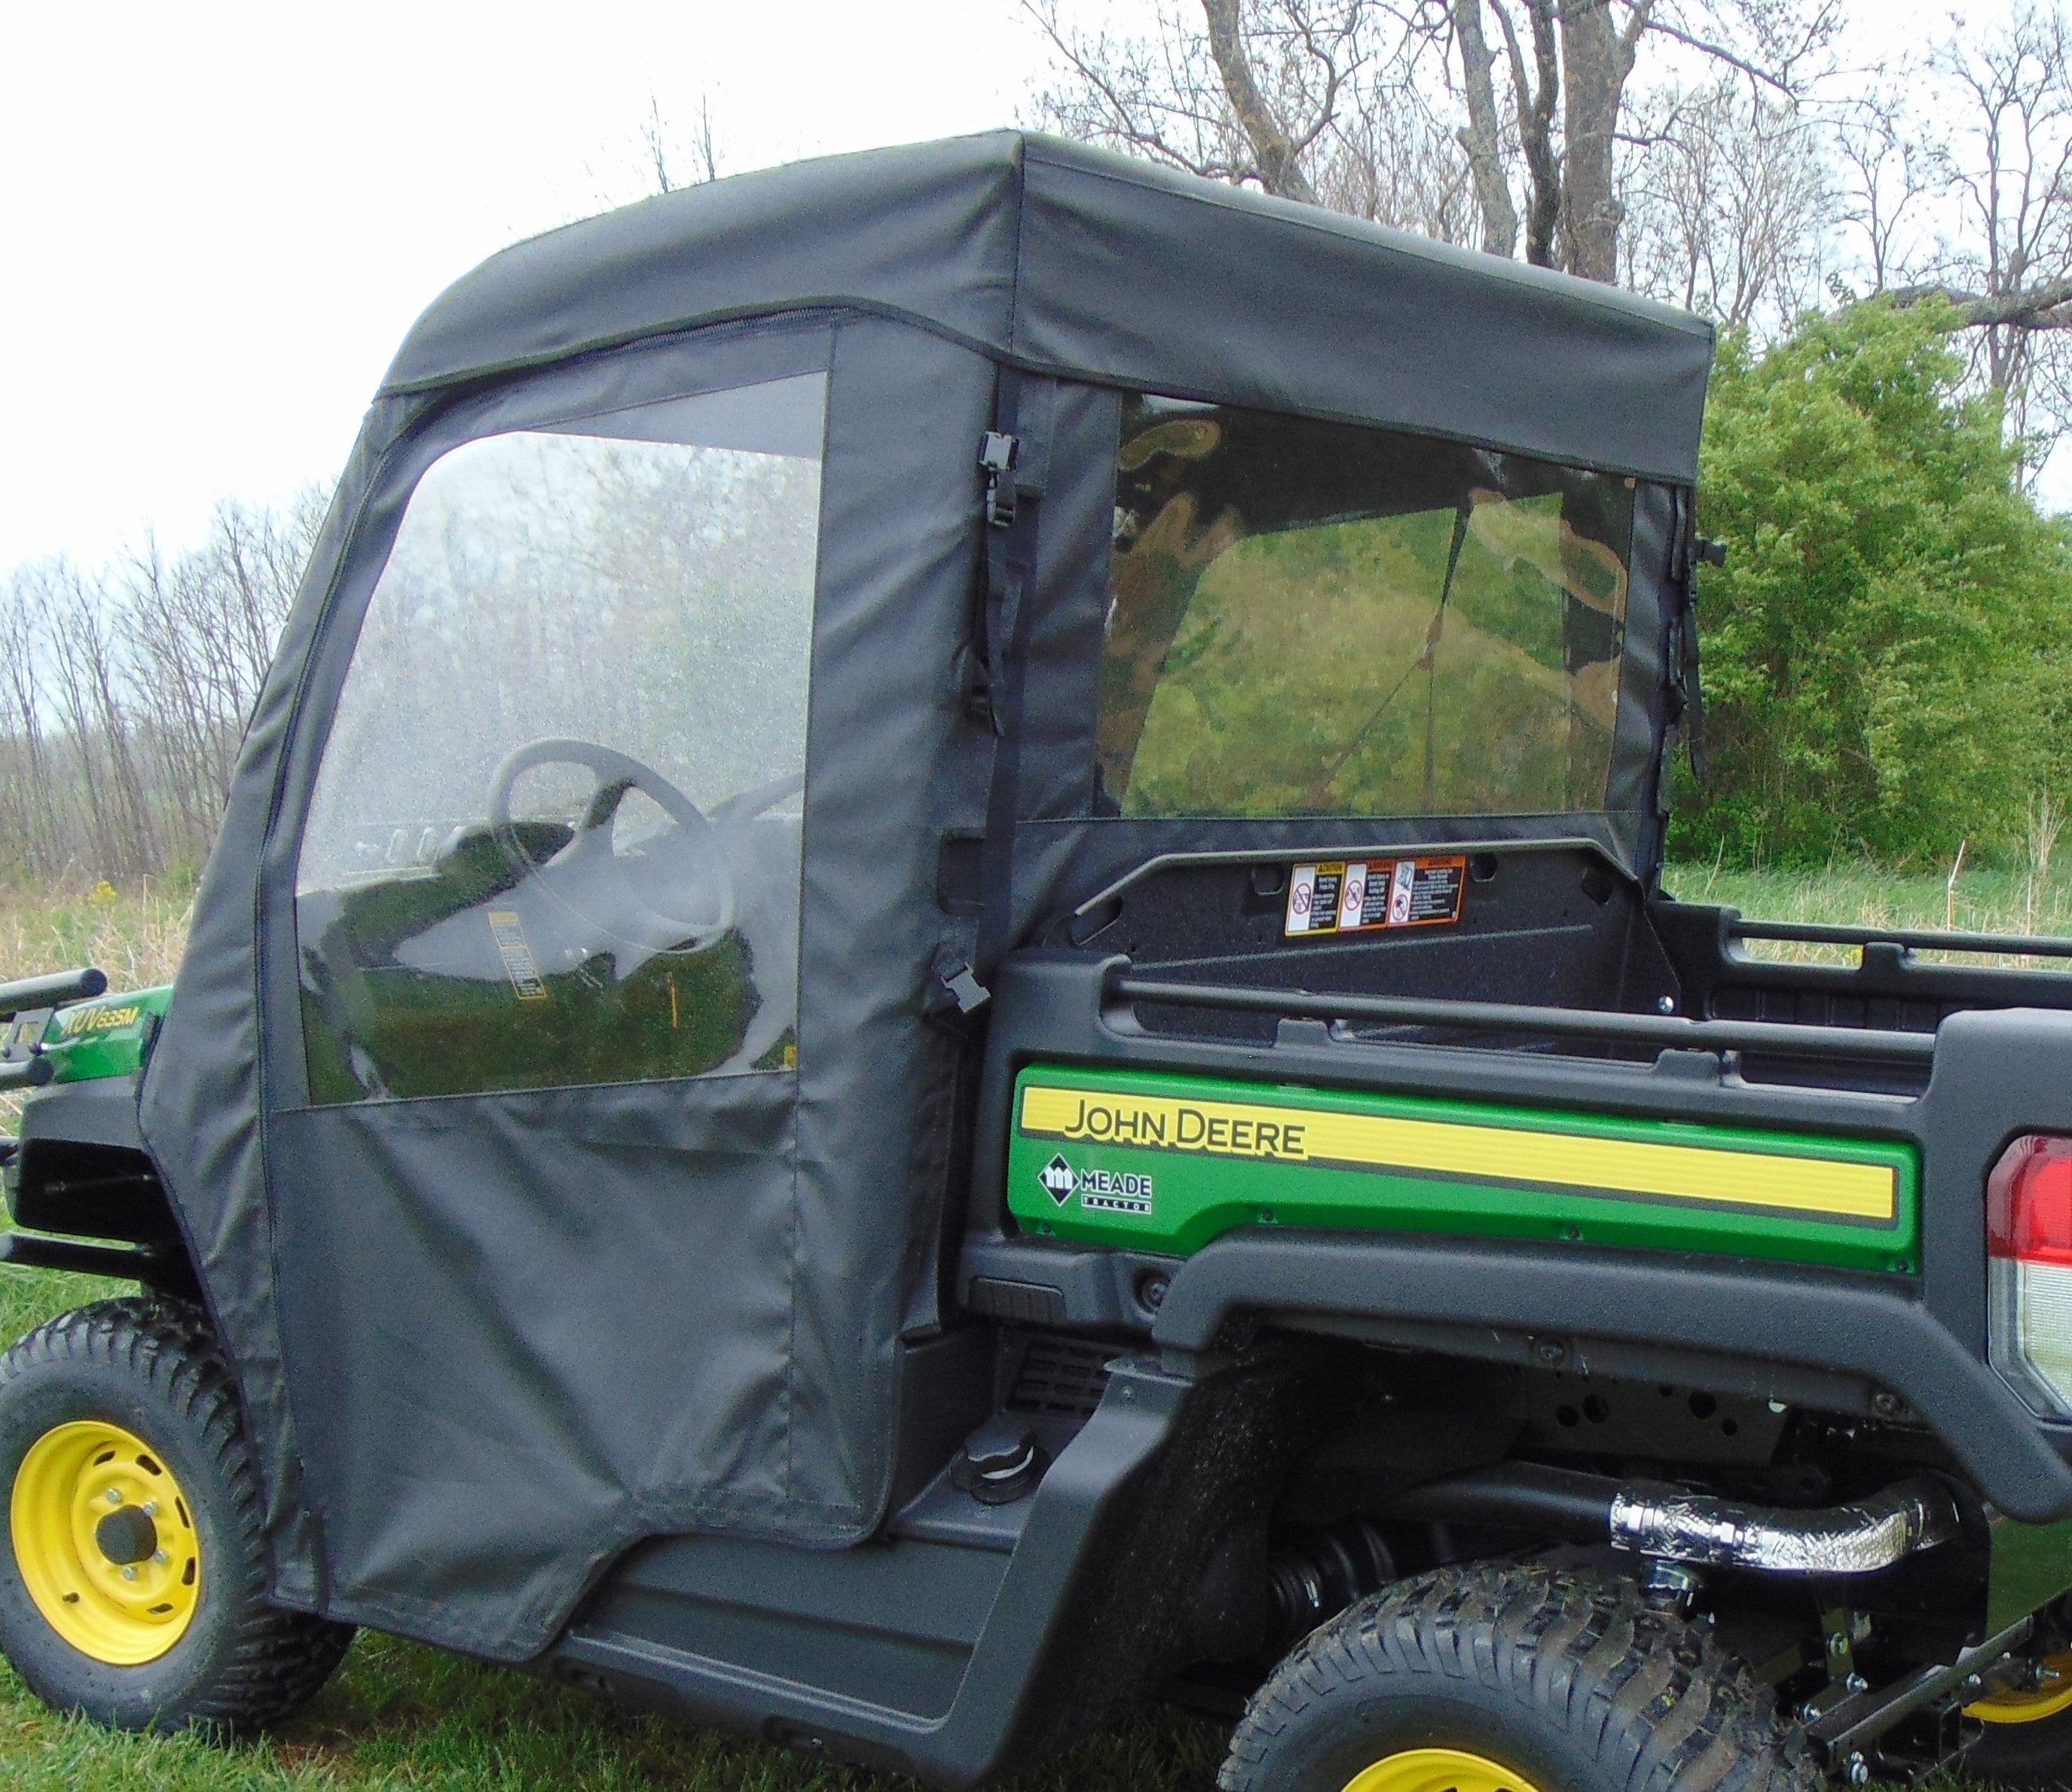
(1858, 1538)
(1665, 1524)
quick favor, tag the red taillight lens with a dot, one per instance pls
(2028, 1202)
(2028, 1233)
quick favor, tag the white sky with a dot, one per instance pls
(218, 220)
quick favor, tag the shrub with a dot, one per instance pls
(1886, 652)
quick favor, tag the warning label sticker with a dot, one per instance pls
(1357, 895)
(509, 931)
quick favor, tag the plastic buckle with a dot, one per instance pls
(955, 986)
(998, 456)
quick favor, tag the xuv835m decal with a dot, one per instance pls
(1166, 1163)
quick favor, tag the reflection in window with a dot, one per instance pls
(555, 838)
(1310, 617)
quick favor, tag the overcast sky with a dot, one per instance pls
(220, 219)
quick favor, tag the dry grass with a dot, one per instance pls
(136, 936)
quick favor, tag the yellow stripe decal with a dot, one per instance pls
(1292, 1135)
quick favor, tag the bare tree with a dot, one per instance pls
(1244, 96)
(1729, 203)
(28, 813)
(1392, 161)
(2008, 157)
(705, 152)
(85, 677)
(1481, 138)
(1887, 176)
(1271, 92)
(654, 142)
(1570, 63)
(123, 697)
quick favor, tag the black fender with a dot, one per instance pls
(1819, 1337)
(82, 1172)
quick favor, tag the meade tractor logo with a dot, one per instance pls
(1058, 1180)
(1104, 1190)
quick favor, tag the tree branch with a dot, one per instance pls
(2048, 307)
(1279, 170)
(1720, 53)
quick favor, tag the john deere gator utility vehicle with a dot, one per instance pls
(936, 993)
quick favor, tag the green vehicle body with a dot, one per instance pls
(1186, 1164)
(109, 1036)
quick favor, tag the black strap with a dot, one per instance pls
(1013, 464)
(1685, 670)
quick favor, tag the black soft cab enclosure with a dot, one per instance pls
(623, 1170)
(803, 671)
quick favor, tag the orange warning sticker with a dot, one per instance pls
(1359, 895)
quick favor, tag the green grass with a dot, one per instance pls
(1983, 899)
(402, 1715)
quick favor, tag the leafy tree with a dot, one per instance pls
(1887, 651)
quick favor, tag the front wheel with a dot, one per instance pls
(134, 1590)
(1510, 1679)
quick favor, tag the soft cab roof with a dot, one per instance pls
(1072, 260)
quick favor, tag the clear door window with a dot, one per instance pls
(555, 837)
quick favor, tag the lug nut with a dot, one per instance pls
(114, 1496)
(150, 1508)
(129, 1574)
(160, 1557)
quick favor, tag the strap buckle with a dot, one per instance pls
(998, 456)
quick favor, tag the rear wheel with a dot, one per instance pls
(1510, 1679)
(2027, 1740)
(133, 1589)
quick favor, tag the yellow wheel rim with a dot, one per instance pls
(105, 1543)
(1438, 1770)
(2051, 1694)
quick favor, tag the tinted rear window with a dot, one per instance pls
(1316, 618)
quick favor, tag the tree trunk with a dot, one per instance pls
(1535, 132)
(1272, 149)
(1596, 57)
(1480, 137)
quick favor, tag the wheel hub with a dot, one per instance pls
(127, 1536)
(105, 1542)
(1438, 1770)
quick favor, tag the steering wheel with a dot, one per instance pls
(616, 774)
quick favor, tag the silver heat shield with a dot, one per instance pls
(1858, 1538)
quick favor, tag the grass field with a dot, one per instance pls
(404, 1717)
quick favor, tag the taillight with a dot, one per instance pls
(2029, 1231)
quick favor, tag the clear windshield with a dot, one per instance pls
(1310, 617)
